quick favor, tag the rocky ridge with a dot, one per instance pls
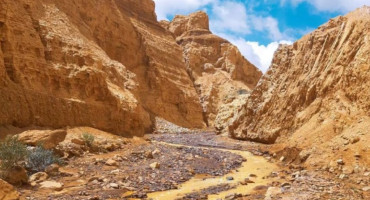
(221, 75)
(315, 96)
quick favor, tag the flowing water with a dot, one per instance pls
(256, 165)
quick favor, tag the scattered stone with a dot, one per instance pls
(149, 155)
(347, 170)
(154, 165)
(340, 162)
(233, 196)
(252, 175)
(52, 169)
(111, 146)
(272, 192)
(355, 140)
(78, 141)
(52, 185)
(114, 185)
(286, 185)
(282, 158)
(229, 178)
(115, 172)
(260, 187)
(37, 178)
(111, 162)
(365, 189)
(156, 152)
(342, 176)
(246, 181)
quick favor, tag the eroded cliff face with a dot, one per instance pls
(316, 92)
(103, 64)
(222, 76)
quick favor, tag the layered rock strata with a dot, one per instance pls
(107, 65)
(221, 75)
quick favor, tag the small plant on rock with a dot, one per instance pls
(39, 158)
(88, 139)
(12, 153)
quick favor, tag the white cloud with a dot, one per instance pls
(231, 19)
(333, 5)
(271, 26)
(166, 8)
(258, 54)
(230, 16)
(264, 53)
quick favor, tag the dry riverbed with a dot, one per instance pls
(191, 166)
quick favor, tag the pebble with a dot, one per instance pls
(156, 151)
(154, 165)
(229, 178)
(37, 178)
(246, 181)
(111, 162)
(342, 176)
(114, 185)
(272, 192)
(52, 169)
(52, 185)
(286, 185)
(116, 171)
(282, 158)
(149, 155)
(340, 162)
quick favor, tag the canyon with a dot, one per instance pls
(138, 108)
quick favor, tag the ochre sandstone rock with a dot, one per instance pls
(7, 191)
(103, 64)
(219, 72)
(49, 139)
(316, 92)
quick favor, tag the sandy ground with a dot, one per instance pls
(145, 165)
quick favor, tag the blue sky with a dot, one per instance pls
(258, 26)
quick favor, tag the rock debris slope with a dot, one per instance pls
(221, 75)
(316, 92)
(103, 64)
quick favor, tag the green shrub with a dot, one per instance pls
(12, 153)
(39, 158)
(88, 139)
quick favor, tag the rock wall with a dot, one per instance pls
(221, 75)
(167, 89)
(91, 63)
(316, 92)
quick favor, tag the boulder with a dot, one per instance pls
(49, 139)
(16, 176)
(7, 191)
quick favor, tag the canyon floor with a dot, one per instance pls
(191, 165)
